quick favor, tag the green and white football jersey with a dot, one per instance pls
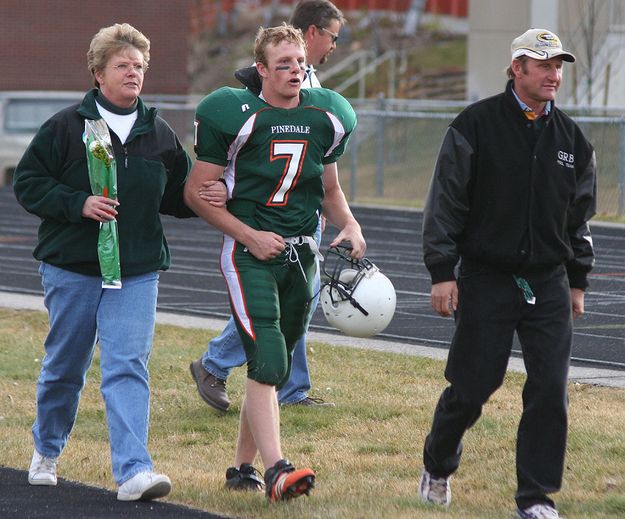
(274, 157)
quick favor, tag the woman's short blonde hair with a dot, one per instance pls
(110, 40)
(275, 36)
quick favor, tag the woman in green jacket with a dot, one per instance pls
(52, 181)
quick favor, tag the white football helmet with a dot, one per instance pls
(357, 298)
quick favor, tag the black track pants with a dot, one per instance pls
(491, 308)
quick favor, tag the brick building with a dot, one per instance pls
(43, 44)
(205, 12)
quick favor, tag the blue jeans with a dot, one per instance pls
(225, 352)
(81, 312)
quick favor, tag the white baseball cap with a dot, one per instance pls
(539, 44)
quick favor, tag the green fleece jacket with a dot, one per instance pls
(52, 182)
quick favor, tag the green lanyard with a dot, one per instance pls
(526, 289)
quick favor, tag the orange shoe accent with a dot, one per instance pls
(289, 485)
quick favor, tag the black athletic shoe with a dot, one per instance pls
(311, 401)
(284, 482)
(244, 478)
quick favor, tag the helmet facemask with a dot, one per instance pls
(356, 297)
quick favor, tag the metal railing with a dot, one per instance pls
(392, 152)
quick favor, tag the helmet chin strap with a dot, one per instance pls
(340, 255)
(347, 296)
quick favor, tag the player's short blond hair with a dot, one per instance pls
(274, 36)
(108, 41)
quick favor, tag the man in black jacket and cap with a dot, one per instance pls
(512, 193)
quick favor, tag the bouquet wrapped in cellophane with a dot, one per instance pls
(103, 180)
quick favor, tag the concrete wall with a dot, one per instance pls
(493, 24)
(593, 30)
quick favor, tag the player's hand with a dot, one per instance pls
(100, 208)
(351, 233)
(445, 298)
(265, 245)
(214, 192)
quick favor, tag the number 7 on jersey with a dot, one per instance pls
(293, 152)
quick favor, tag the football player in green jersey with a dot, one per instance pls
(277, 153)
(320, 22)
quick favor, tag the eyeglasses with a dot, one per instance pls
(124, 68)
(333, 35)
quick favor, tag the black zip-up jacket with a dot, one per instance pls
(52, 182)
(509, 198)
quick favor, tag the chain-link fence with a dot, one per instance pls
(392, 152)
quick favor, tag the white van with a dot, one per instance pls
(21, 115)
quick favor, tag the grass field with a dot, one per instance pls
(366, 451)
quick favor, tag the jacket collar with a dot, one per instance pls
(145, 116)
(512, 101)
(250, 78)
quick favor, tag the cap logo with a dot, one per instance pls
(548, 40)
(539, 44)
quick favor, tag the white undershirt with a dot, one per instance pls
(120, 124)
(311, 81)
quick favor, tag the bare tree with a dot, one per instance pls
(588, 25)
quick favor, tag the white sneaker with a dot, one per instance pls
(435, 490)
(42, 470)
(145, 485)
(539, 511)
